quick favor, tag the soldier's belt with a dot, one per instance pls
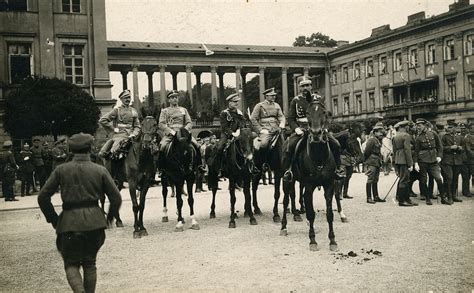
(176, 125)
(303, 120)
(268, 119)
(122, 125)
(67, 206)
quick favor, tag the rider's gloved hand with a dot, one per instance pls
(299, 131)
(264, 131)
(236, 133)
(172, 132)
(116, 130)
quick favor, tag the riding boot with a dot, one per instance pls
(368, 190)
(428, 199)
(375, 192)
(445, 199)
(287, 162)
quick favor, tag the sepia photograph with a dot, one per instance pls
(237, 146)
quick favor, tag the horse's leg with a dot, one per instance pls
(248, 198)
(310, 215)
(287, 189)
(164, 192)
(212, 181)
(141, 206)
(302, 206)
(276, 197)
(194, 223)
(232, 202)
(328, 194)
(294, 210)
(338, 188)
(255, 181)
(179, 204)
(132, 187)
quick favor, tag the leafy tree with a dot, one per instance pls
(315, 40)
(44, 106)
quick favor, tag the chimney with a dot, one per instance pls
(416, 18)
(342, 43)
(380, 30)
(459, 4)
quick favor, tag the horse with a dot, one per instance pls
(271, 158)
(237, 165)
(138, 168)
(314, 166)
(179, 164)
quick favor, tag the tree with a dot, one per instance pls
(315, 40)
(44, 106)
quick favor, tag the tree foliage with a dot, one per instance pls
(315, 40)
(44, 106)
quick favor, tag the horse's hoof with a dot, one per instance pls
(253, 221)
(236, 216)
(212, 215)
(276, 219)
(344, 220)
(313, 247)
(195, 227)
(136, 234)
(231, 224)
(119, 224)
(333, 247)
(258, 212)
(283, 232)
(164, 219)
(179, 229)
(297, 218)
(143, 232)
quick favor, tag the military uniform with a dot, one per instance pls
(38, 162)
(403, 161)
(8, 168)
(80, 226)
(124, 122)
(171, 120)
(267, 115)
(373, 163)
(26, 171)
(59, 154)
(468, 162)
(427, 148)
(451, 163)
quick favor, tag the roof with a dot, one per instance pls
(214, 47)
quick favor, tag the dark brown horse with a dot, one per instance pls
(314, 166)
(237, 165)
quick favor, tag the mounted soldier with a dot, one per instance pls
(299, 125)
(124, 122)
(267, 119)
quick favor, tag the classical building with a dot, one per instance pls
(54, 38)
(422, 69)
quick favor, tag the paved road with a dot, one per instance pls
(422, 248)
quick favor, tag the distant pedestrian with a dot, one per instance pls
(59, 152)
(8, 168)
(38, 162)
(26, 170)
(80, 226)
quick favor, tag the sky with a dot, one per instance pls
(250, 22)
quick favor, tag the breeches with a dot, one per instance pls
(450, 176)
(372, 173)
(80, 247)
(404, 174)
(434, 170)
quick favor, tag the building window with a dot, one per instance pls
(369, 68)
(346, 105)
(397, 61)
(356, 74)
(345, 74)
(431, 54)
(383, 64)
(451, 81)
(72, 6)
(413, 58)
(449, 50)
(20, 61)
(334, 107)
(385, 97)
(371, 101)
(358, 99)
(469, 45)
(470, 86)
(73, 59)
(333, 76)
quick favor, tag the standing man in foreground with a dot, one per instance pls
(373, 163)
(80, 226)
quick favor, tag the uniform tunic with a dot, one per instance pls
(373, 159)
(267, 115)
(402, 156)
(451, 162)
(172, 119)
(427, 148)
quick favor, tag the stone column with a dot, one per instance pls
(306, 72)
(244, 86)
(162, 85)
(378, 92)
(440, 60)
(295, 84)
(214, 97)
(352, 97)
(136, 98)
(461, 82)
(151, 99)
(391, 98)
(175, 80)
(327, 85)
(421, 60)
(198, 102)
(238, 84)
(189, 87)
(124, 79)
(261, 82)
(284, 89)
(365, 96)
(222, 103)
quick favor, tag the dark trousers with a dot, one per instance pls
(403, 183)
(451, 178)
(40, 175)
(434, 171)
(466, 174)
(7, 188)
(373, 173)
(26, 183)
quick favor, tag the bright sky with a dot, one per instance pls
(252, 22)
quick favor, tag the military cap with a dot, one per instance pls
(80, 141)
(403, 123)
(421, 121)
(233, 97)
(305, 81)
(462, 125)
(7, 143)
(124, 94)
(173, 93)
(378, 125)
(269, 92)
(26, 145)
(36, 139)
(451, 124)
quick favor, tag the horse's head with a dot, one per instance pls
(245, 142)
(318, 122)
